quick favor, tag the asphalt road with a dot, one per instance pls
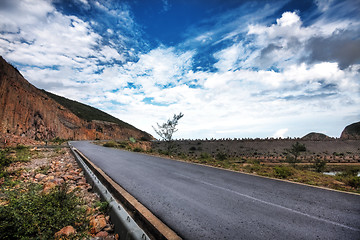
(200, 202)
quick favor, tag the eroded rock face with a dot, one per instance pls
(28, 112)
(351, 131)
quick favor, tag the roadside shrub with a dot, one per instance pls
(205, 155)
(5, 161)
(192, 149)
(110, 144)
(253, 168)
(295, 151)
(163, 152)
(353, 181)
(20, 147)
(283, 171)
(58, 140)
(32, 215)
(123, 145)
(221, 156)
(352, 172)
(147, 138)
(103, 206)
(137, 149)
(182, 155)
(22, 154)
(319, 165)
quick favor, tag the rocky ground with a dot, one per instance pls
(52, 167)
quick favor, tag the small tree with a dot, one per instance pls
(295, 151)
(167, 129)
(319, 165)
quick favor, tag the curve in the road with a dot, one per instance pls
(201, 202)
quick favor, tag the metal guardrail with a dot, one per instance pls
(125, 226)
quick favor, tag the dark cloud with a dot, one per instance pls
(306, 97)
(269, 49)
(342, 47)
(7, 4)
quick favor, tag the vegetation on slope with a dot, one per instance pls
(86, 112)
(35, 205)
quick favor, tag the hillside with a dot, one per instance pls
(87, 112)
(28, 112)
(315, 136)
(351, 131)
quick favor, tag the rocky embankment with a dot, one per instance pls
(55, 166)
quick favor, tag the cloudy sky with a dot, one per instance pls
(235, 68)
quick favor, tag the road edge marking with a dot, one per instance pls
(162, 231)
(251, 174)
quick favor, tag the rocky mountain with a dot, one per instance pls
(313, 136)
(351, 131)
(35, 114)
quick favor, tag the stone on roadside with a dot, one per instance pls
(97, 224)
(48, 178)
(102, 234)
(40, 176)
(48, 187)
(66, 231)
(57, 181)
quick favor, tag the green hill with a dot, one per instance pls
(86, 112)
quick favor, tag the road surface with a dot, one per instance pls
(200, 202)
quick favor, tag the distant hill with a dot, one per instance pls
(313, 136)
(28, 112)
(351, 131)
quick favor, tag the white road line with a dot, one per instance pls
(272, 204)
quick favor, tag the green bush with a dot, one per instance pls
(205, 155)
(137, 149)
(351, 172)
(319, 165)
(283, 171)
(21, 147)
(145, 138)
(192, 149)
(353, 181)
(221, 156)
(32, 215)
(58, 140)
(102, 205)
(110, 144)
(22, 154)
(5, 161)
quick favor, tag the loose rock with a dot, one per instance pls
(66, 231)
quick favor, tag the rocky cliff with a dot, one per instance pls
(31, 113)
(351, 131)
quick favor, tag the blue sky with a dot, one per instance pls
(234, 68)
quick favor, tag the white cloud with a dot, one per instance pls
(288, 19)
(260, 87)
(280, 133)
(323, 5)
